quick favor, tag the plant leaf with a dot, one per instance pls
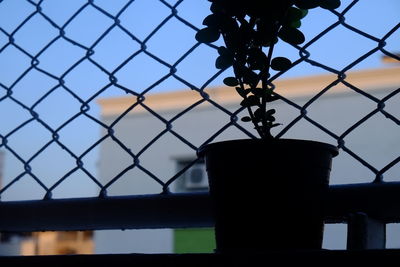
(250, 77)
(304, 13)
(307, 4)
(330, 4)
(250, 101)
(257, 91)
(269, 115)
(253, 100)
(275, 124)
(246, 119)
(242, 92)
(295, 24)
(281, 64)
(256, 59)
(211, 20)
(245, 103)
(271, 97)
(231, 81)
(270, 112)
(222, 50)
(208, 35)
(293, 17)
(216, 7)
(291, 35)
(259, 114)
(223, 62)
(294, 14)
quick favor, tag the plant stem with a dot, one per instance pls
(249, 110)
(264, 83)
(251, 113)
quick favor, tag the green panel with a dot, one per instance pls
(200, 240)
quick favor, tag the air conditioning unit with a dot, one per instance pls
(196, 178)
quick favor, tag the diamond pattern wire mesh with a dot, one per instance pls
(56, 65)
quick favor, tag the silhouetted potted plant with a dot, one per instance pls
(267, 193)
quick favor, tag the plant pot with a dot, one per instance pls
(268, 195)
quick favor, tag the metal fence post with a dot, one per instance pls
(364, 232)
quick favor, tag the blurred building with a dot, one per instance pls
(376, 141)
(54, 243)
(47, 243)
(162, 156)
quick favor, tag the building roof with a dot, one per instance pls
(367, 80)
(388, 59)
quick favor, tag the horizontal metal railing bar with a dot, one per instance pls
(125, 212)
(379, 200)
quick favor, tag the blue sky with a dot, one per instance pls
(30, 73)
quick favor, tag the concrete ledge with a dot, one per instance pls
(280, 258)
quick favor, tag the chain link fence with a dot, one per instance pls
(58, 58)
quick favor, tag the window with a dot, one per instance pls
(193, 179)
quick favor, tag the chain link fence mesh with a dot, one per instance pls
(58, 58)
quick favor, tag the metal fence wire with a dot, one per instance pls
(40, 54)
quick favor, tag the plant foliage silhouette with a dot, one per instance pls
(250, 29)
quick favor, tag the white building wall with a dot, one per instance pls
(11, 247)
(134, 241)
(376, 141)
